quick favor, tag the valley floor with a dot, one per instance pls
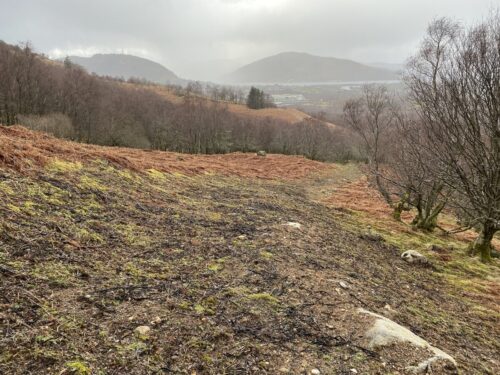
(231, 273)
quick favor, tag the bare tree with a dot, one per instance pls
(454, 82)
(371, 118)
(411, 172)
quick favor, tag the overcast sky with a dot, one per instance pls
(201, 39)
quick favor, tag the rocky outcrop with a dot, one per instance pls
(384, 332)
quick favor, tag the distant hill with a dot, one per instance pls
(126, 66)
(294, 67)
(393, 67)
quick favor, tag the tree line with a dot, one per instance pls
(438, 147)
(65, 100)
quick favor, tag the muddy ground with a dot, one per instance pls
(90, 250)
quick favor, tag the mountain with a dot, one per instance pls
(126, 66)
(294, 67)
(393, 67)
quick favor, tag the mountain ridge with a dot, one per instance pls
(126, 66)
(300, 67)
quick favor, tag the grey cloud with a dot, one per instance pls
(193, 37)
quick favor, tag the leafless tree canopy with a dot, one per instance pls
(37, 92)
(454, 83)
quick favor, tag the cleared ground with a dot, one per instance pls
(95, 242)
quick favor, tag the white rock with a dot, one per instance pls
(142, 330)
(354, 371)
(294, 225)
(412, 256)
(343, 284)
(385, 332)
(315, 371)
(156, 320)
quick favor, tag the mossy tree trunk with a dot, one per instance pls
(482, 244)
(400, 206)
(428, 209)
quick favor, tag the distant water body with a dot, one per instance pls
(330, 83)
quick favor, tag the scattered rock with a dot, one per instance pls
(142, 330)
(413, 256)
(284, 370)
(156, 321)
(384, 332)
(261, 153)
(315, 371)
(294, 225)
(343, 285)
(354, 371)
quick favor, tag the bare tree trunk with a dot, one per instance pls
(427, 220)
(482, 244)
(400, 206)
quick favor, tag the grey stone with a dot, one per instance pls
(142, 330)
(413, 256)
(385, 332)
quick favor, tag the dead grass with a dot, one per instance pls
(289, 115)
(23, 149)
(90, 250)
(369, 210)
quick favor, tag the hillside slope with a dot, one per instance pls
(126, 66)
(289, 115)
(294, 67)
(109, 265)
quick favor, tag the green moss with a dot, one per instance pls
(61, 166)
(132, 270)
(207, 306)
(78, 368)
(266, 297)
(184, 305)
(88, 207)
(157, 175)
(266, 254)
(127, 175)
(199, 309)
(84, 235)
(135, 347)
(216, 267)
(360, 357)
(5, 188)
(133, 235)
(91, 183)
(29, 208)
(214, 216)
(13, 208)
(58, 274)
